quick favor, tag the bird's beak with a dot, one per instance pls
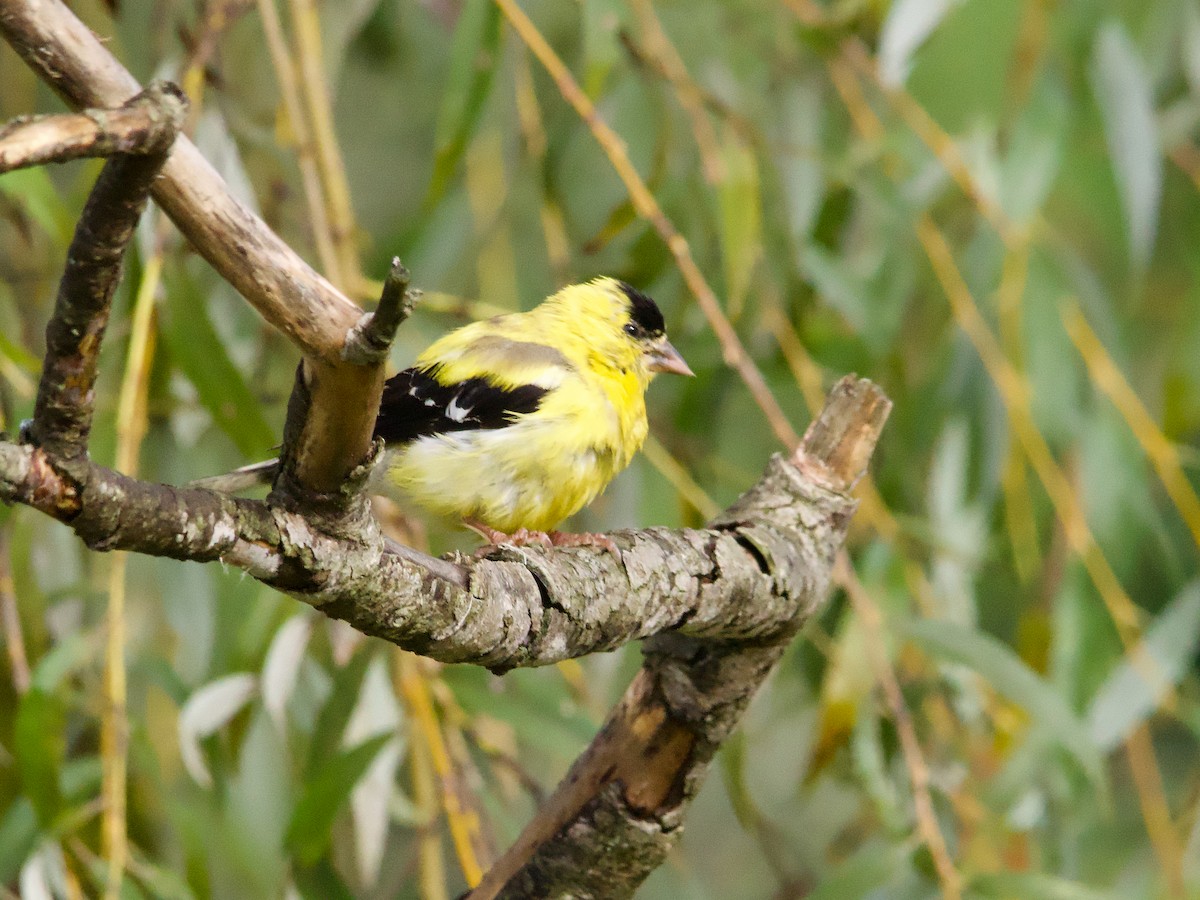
(665, 358)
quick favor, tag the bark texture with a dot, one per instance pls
(285, 290)
(620, 809)
(718, 605)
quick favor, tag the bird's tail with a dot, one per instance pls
(242, 479)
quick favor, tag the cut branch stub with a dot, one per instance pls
(370, 340)
(619, 810)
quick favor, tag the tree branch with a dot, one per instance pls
(62, 416)
(620, 809)
(746, 578)
(266, 271)
(370, 340)
(285, 290)
(146, 124)
(719, 605)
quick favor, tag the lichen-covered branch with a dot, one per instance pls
(620, 809)
(717, 605)
(743, 579)
(335, 435)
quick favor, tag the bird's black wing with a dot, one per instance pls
(415, 404)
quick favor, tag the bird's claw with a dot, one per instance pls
(585, 539)
(525, 537)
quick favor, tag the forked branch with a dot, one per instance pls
(719, 605)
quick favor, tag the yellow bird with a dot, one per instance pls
(512, 424)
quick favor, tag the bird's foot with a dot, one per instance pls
(585, 539)
(524, 537)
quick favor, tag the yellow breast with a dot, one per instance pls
(532, 474)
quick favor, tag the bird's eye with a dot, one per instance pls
(631, 330)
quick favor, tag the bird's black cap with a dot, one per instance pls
(643, 310)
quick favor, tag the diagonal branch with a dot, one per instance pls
(620, 809)
(336, 436)
(70, 58)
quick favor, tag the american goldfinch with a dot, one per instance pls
(512, 424)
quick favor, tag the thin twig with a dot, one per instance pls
(668, 61)
(329, 156)
(529, 117)
(1164, 836)
(679, 478)
(310, 177)
(371, 338)
(1158, 449)
(871, 617)
(144, 125)
(431, 868)
(1018, 505)
(459, 817)
(647, 207)
(114, 727)
(10, 617)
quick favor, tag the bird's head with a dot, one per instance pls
(619, 324)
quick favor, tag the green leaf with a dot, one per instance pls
(81, 778)
(741, 222)
(40, 747)
(339, 705)
(871, 768)
(34, 192)
(207, 710)
(802, 175)
(1035, 150)
(1126, 98)
(322, 882)
(161, 883)
(1033, 886)
(200, 353)
(311, 823)
(1132, 691)
(68, 656)
(1006, 672)
(907, 26)
(601, 20)
(97, 872)
(18, 837)
(19, 355)
(860, 875)
(838, 286)
(473, 59)
(733, 773)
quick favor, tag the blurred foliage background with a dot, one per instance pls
(990, 207)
